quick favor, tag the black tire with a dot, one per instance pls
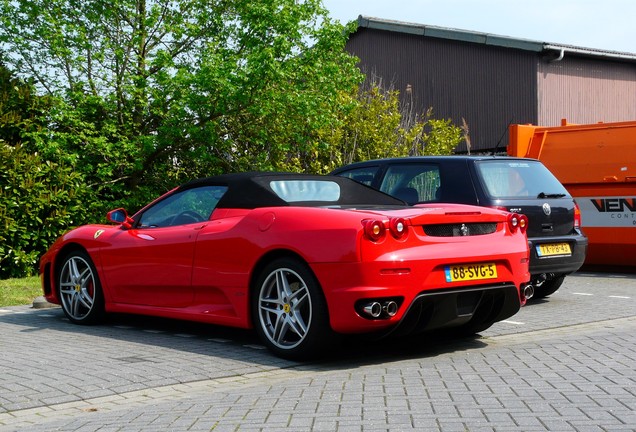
(289, 311)
(79, 289)
(548, 287)
(477, 325)
(491, 310)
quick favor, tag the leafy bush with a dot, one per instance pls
(38, 201)
(373, 123)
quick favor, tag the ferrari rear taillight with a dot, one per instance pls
(517, 222)
(577, 216)
(398, 227)
(374, 229)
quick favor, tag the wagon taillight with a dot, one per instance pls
(577, 216)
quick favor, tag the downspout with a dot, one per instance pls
(560, 57)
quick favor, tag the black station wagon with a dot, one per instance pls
(518, 185)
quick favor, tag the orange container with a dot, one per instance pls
(597, 165)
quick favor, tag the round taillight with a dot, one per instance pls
(513, 221)
(523, 222)
(517, 222)
(398, 227)
(374, 229)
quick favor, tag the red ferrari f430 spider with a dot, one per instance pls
(297, 257)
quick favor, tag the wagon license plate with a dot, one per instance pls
(554, 249)
(469, 272)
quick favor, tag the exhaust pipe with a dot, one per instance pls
(390, 308)
(528, 291)
(373, 309)
(540, 279)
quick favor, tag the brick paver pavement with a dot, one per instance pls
(565, 364)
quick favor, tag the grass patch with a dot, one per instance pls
(16, 292)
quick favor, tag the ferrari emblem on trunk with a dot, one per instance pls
(463, 230)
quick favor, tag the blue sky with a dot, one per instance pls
(609, 25)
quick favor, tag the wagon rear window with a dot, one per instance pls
(518, 179)
(306, 190)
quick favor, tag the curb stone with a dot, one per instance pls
(41, 303)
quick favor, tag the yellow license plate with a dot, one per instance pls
(470, 272)
(554, 249)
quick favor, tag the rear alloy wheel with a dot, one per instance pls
(548, 287)
(80, 290)
(289, 310)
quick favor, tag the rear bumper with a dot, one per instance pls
(558, 264)
(453, 308)
(425, 300)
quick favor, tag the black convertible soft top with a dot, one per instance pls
(254, 189)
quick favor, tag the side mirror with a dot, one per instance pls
(119, 216)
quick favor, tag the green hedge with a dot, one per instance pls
(38, 200)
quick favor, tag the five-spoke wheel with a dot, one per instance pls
(290, 313)
(80, 290)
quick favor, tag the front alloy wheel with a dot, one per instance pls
(80, 290)
(290, 311)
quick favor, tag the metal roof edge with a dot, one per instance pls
(449, 33)
(590, 51)
(486, 38)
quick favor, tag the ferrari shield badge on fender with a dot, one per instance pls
(98, 233)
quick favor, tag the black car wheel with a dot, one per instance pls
(289, 310)
(80, 291)
(548, 287)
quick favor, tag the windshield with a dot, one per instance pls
(519, 179)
